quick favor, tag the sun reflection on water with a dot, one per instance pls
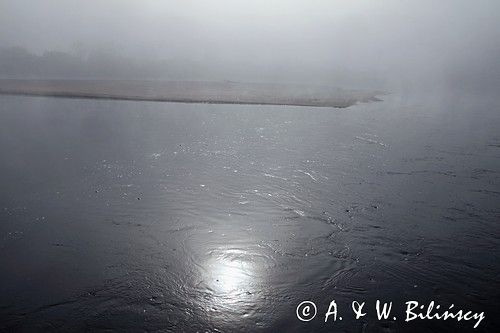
(231, 276)
(232, 281)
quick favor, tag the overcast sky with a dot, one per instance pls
(382, 37)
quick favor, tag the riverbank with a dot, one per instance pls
(226, 92)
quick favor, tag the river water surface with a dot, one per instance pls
(146, 216)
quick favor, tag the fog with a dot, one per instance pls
(382, 44)
(248, 165)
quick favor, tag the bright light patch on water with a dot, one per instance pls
(231, 276)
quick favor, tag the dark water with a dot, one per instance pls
(147, 216)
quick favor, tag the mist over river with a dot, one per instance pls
(149, 216)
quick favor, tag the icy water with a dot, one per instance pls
(145, 216)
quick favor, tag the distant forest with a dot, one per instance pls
(18, 62)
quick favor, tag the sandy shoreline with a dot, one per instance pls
(190, 92)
